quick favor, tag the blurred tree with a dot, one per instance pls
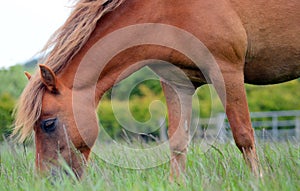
(131, 85)
(12, 81)
(31, 64)
(139, 114)
(6, 108)
(277, 97)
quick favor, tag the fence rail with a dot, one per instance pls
(271, 125)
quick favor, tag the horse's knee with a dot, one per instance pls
(245, 139)
(179, 147)
(179, 152)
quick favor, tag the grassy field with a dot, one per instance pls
(219, 168)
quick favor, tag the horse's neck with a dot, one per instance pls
(98, 65)
(94, 67)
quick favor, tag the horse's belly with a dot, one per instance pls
(263, 73)
(273, 58)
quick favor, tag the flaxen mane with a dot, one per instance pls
(65, 44)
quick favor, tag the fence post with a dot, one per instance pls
(297, 128)
(221, 127)
(275, 127)
(163, 130)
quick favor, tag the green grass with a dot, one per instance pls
(219, 168)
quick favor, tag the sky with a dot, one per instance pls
(26, 25)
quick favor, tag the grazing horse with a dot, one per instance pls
(250, 41)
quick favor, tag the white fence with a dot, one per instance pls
(268, 126)
(271, 125)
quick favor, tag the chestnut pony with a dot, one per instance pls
(251, 41)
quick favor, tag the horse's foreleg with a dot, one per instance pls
(235, 102)
(179, 104)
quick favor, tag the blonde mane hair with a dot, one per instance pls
(65, 43)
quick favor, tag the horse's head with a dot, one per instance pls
(57, 136)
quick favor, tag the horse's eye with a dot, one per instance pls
(49, 125)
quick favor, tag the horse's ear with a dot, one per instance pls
(28, 75)
(48, 78)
